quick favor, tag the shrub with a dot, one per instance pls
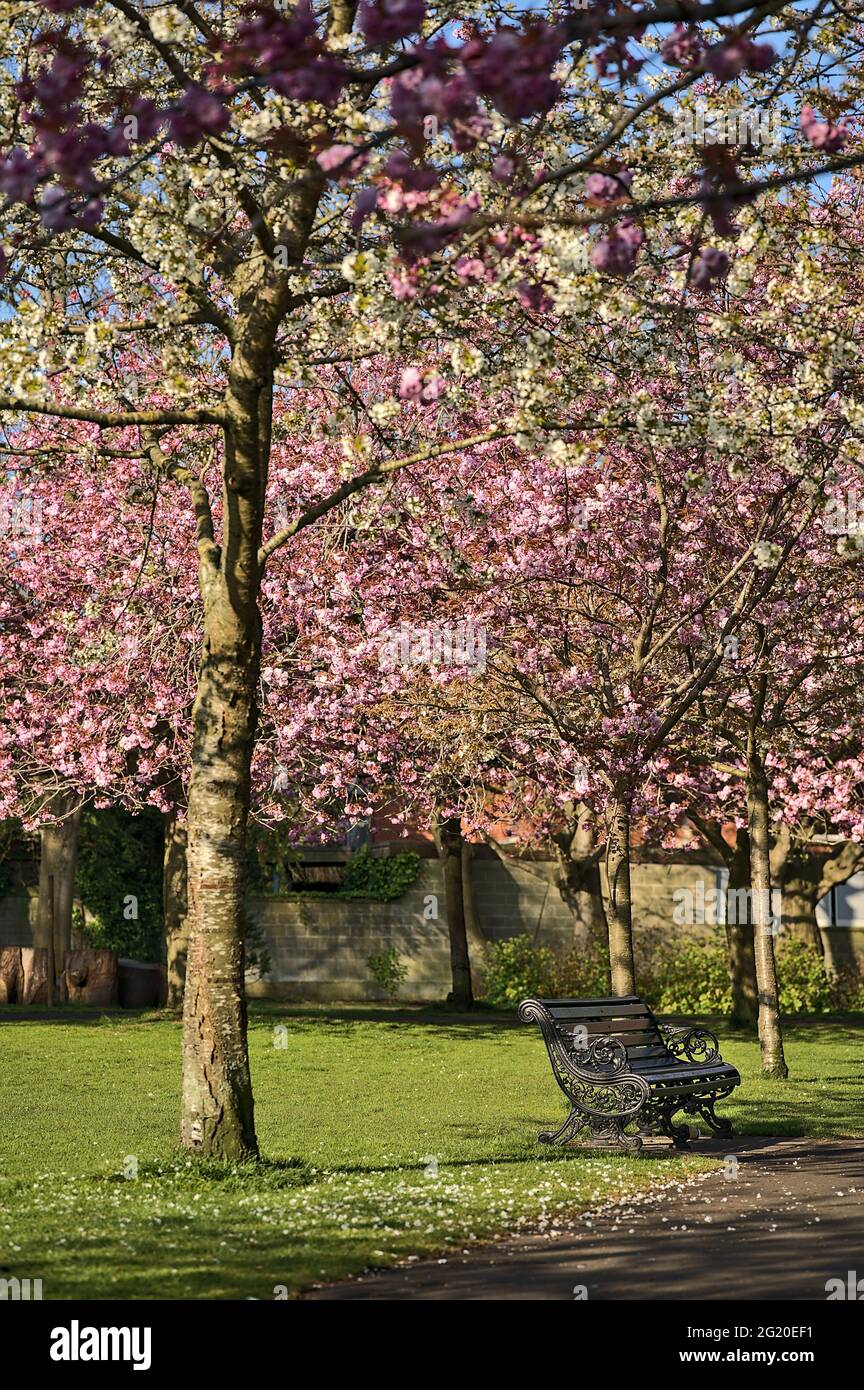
(379, 877)
(848, 990)
(580, 973)
(387, 970)
(515, 969)
(119, 882)
(804, 985)
(689, 975)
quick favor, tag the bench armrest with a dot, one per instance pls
(601, 1059)
(691, 1044)
(596, 1076)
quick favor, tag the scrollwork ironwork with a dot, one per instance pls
(607, 1098)
(696, 1044)
(594, 1079)
(606, 1056)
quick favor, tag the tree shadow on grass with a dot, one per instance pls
(800, 1116)
(569, 1154)
(453, 1027)
(438, 1022)
(85, 1015)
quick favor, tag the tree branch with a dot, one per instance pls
(115, 419)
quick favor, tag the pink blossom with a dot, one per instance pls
(19, 174)
(402, 287)
(533, 296)
(196, 114)
(710, 264)
(615, 253)
(410, 384)
(470, 268)
(602, 189)
(55, 209)
(321, 81)
(343, 161)
(418, 94)
(514, 69)
(388, 21)
(683, 48)
(424, 388)
(821, 134)
(401, 167)
(270, 42)
(364, 204)
(728, 59)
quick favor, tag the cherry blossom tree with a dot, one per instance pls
(278, 192)
(601, 637)
(782, 726)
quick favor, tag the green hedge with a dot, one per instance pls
(687, 975)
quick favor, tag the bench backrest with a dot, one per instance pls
(627, 1018)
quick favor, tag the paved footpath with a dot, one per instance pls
(790, 1219)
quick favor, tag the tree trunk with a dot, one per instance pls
(217, 1107)
(578, 877)
(58, 861)
(770, 1032)
(797, 871)
(739, 936)
(620, 911)
(476, 936)
(449, 837)
(175, 907)
(800, 896)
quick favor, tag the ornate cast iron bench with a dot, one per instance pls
(621, 1070)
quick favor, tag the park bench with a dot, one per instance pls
(621, 1070)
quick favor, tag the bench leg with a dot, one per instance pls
(574, 1122)
(605, 1128)
(679, 1134)
(626, 1141)
(718, 1123)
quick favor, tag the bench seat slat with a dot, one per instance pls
(576, 1012)
(694, 1088)
(615, 1025)
(679, 1075)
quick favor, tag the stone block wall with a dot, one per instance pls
(319, 948)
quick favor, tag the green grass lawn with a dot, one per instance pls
(387, 1133)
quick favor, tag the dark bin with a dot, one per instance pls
(142, 986)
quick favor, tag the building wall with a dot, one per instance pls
(19, 903)
(319, 948)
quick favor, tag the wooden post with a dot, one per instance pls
(52, 959)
